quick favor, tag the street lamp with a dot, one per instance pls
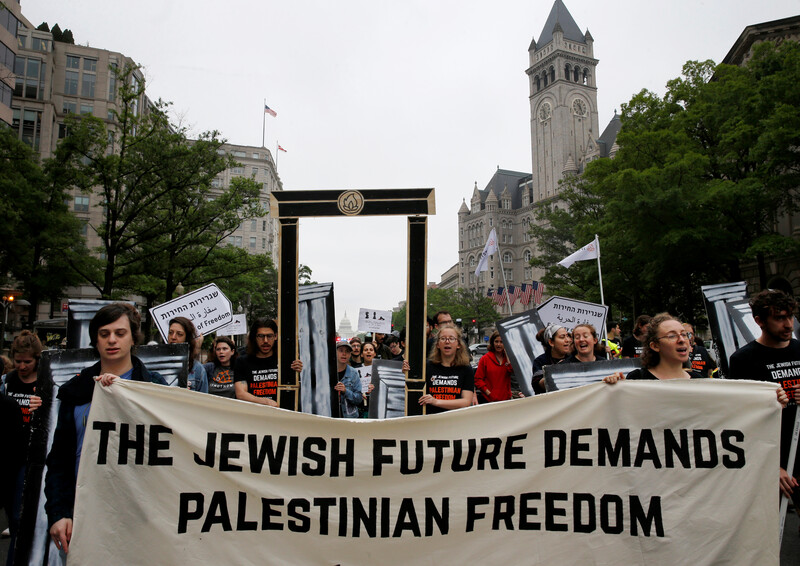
(180, 289)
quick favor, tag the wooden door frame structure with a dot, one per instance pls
(288, 207)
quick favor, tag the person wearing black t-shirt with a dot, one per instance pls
(774, 357)
(665, 353)
(633, 346)
(255, 375)
(450, 383)
(701, 360)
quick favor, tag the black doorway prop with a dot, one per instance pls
(288, 207)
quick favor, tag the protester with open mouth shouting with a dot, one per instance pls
(450, 382)
(665, 354)
(586, 344)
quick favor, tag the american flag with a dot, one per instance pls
(500, 296)
(538, 291)
(281, 149)
(525, 295)
(515, 293)
(270, 111)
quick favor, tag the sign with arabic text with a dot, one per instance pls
(207, 307)
(569, 313)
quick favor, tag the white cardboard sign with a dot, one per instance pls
(207, 307)
(569, 313)
(236, 328)
(372, 320)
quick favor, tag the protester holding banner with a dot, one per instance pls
(586, 344)
(665, 354)
(182, 331)
(557, 343)
(255, 375)
(355, 356)
(348, 387)
(774, 357)
(450, 381)
(633, 346)
(113, 332)
(494, 371)
(219, 368)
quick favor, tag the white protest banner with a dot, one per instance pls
(236, 328)
(591, 475)
(207, 307)
(572, 312)
(372, 320)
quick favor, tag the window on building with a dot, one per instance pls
(255, 156)
(509, 274)
(87, 85)
(472, 261)
(81, 204)
(263, 243)
(71, 83)
(253, 225)
(31, 127)
(235, 241)
(254, 172)
(253, 243)
(70, 106)
(263, 225)
(90, 65)
(507, 257)
(239, 170)
(112, 83)
(73, 62)
(87, 108)
(238, 154)
(84, 229)
(528, 256)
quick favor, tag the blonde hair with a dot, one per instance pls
(462, 358)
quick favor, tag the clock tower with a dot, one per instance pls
(563, 99)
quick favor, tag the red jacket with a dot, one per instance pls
(493, 376)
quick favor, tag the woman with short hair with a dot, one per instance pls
(113, 333)
(182, 331)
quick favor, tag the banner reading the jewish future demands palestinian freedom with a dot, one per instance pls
(634, 473)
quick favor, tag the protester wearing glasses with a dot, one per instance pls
(665, 352)
(449, 382)
(255, 375)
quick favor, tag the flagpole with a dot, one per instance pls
(603, 330)
(264, 125)
(276, 153)
(505, 285)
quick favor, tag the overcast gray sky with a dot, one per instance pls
(388, 94)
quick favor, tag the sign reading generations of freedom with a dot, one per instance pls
(572, 312)
(207, 307)
(237, 327)
(371, 320)
(170, 476)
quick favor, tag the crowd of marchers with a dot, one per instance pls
(667, 347)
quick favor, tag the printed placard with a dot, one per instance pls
(207, 307)
(569, 313)
(373, 320)
(237, 327)
(592, 473)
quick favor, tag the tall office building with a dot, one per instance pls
(9, 23)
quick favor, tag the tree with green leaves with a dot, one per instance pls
(38, 232)
(696, 189)
(162, 219)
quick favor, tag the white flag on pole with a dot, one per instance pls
(589, 251)
(488, 249)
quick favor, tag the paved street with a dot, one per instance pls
(790, 550)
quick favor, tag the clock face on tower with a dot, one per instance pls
(579, 107)
(544, 112)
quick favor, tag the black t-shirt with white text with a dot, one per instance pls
(631, 347)
(448, 383)
(260, 374)
(774, 365)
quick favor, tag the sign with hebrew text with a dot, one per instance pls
(207, 307)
